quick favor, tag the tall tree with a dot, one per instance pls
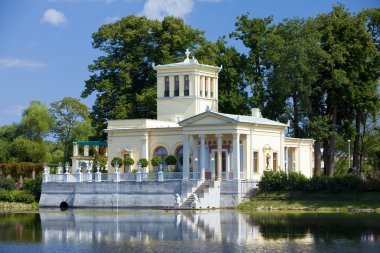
(70, 116)
(348, 71)
(255, 34)
(36, 121)
(123, 77)
(232, 93)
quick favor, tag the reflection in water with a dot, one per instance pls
(211, 231)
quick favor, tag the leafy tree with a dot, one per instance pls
(233, 95)
(118, 161)
(36, 121)
(171, 160)
(128, 161)
(26, 150)
(156, 161)
(71, 121)
(143, 162)
(123, 77)
(349, 74)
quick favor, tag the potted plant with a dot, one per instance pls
(156, 161)
(118, 161)
(143, 162)
(129, 162)
(171, 160)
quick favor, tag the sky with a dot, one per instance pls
(45, 45)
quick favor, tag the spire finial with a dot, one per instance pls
(187, 53)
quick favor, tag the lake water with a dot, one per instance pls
(109, 231)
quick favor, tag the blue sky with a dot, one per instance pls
(45, 45)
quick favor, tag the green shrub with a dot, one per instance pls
(156, 161)
(33, 186)
(5, 196)
(7, 184)
(143, 162)
(273, 181)
(22, 196)
(118, 161)
(171, 160)
(16, 196)
(296, 181)
(316, 184)
(129, 161)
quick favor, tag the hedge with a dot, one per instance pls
(280, 181)
(16, 196)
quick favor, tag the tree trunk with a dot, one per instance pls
(355, 163)
(332, 139)
(326, 158)
(317, 158)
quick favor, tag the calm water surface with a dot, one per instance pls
(201, 231)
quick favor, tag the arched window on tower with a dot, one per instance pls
(187, 86)
(176, 86)
(167, 85)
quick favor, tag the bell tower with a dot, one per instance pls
(186, 89)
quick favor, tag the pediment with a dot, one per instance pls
(207, 118)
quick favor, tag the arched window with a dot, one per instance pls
(179, 156)
(161, 152)
(187, 86)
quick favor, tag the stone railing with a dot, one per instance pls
(111, 177)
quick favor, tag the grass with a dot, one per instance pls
(320, 202)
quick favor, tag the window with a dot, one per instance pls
(176, 86)
(212, 87)
(274, 161)
(167, 84)
(201, 88)
(187, 86)
(206, 86)
(161, 152)
(179, 156)
(255, 162)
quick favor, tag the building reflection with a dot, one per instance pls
(221, 226)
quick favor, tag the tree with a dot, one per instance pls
(143, 162)
(36, 121)
(25, 150)
(128, 161)
(156, 161)
(349, 74)
(171, 160)
(71, 117)
(123, 77)
(118, 161)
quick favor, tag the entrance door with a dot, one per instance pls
(214, 163)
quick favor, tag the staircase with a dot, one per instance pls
(203, 193)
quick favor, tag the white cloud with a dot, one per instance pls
(54, 17)
(158, 9)
(112, 19)
(15, 110)
(14, 63)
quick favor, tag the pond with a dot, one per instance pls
(87, 230)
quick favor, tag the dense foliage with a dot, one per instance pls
(280, 181)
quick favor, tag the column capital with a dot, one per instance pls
(202, 136)
(219, 135)
(236, 135)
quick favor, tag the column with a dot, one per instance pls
(236, 155)
(75, 149)
(186, 156)
(219, 168)
(202, 156)
(208, 87)
(286, 160)
(85, 150)
(145, 147)
(282, 151)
